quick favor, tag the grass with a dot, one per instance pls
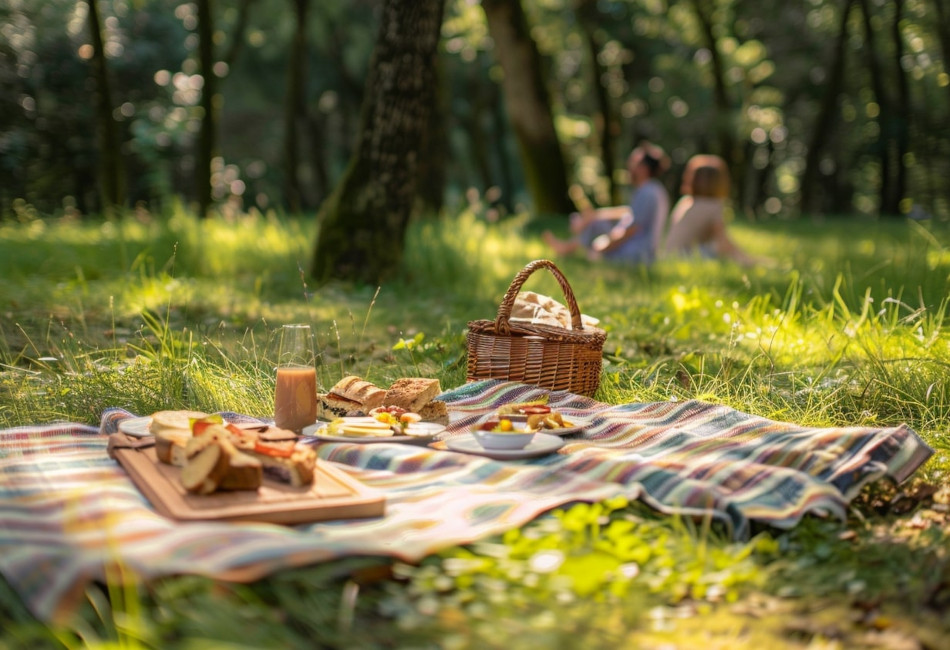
(848, 327)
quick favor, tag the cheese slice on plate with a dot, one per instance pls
(358, 427)
(364, 431)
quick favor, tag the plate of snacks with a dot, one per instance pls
(539, 417)
(383, 424)
(502, 439)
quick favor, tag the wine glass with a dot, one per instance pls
(295, 396)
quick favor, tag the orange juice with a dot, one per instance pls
(295, 398)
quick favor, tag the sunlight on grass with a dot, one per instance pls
(168, 311)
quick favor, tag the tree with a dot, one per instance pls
(110, 164)
(886, 115)
(588, 19)
(294, 105)
(363, 222)
(207, 138)
(725, 129)
(529, 106)
(943, 31)
(825, 120)
(901, 126)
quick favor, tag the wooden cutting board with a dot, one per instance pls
(333, 495)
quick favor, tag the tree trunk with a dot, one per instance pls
(317, 130)
(825, 120)
(604, 120)
(294, 108)
(723, 116)
(501, 137)
(901, 124)
(529, 106)
(206, 137)
(352, 87)
(885, 117)
(943, 32)
(363, 222)
(433, 163)
(237, 37)
(474, 122)
(110, 164)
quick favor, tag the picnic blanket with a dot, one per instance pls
(68, 511)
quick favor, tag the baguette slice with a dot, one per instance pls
(353, 388)
(412, 393)
(170, 446)
(217, 464)
(205, 470)
(208, 437)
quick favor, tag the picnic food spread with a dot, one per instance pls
(214, 455)
(353, 396)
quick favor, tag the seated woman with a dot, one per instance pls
(624, 233)
(697, 223)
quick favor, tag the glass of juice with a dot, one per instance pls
(295, 397)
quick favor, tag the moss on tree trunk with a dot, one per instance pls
(363, 222)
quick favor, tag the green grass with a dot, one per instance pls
(847, 327)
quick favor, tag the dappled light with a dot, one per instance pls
(727, 378)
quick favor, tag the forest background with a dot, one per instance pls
(820, 106)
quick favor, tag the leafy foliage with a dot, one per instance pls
(656, 68)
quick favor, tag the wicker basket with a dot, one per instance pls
(552, 357)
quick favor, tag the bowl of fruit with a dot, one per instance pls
(503, 434)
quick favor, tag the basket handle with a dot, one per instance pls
(502, 320)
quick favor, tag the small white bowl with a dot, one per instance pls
(489, 439)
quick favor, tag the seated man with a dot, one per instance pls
(624, 233)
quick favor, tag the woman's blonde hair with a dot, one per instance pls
(706, 175)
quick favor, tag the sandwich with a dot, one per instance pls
(350, 396)
(417, 395)
(214, 462)
(275, 450)
(172, 431)
(215, 455)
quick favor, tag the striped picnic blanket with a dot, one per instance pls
(68, 511)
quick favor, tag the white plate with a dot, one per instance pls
(541, 445)
(136, 427)
(423, 434)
